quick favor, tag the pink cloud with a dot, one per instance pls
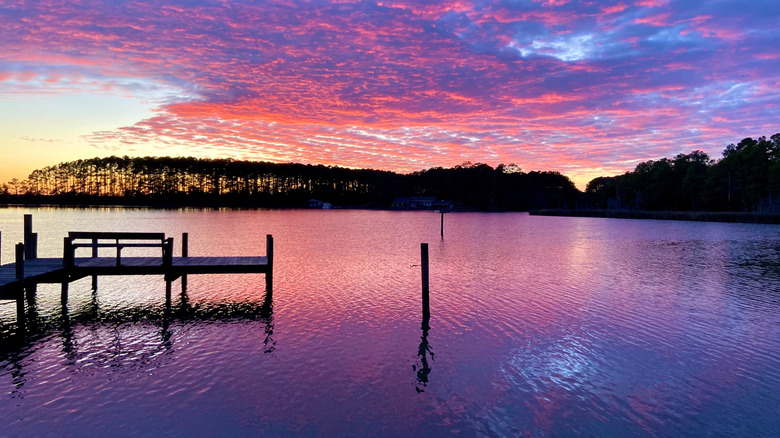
(614, 9)
(659, 20)
(652, 3)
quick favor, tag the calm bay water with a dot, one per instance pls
(540, 326)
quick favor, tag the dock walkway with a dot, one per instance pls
(52, 270)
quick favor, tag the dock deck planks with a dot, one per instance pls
(52, 270)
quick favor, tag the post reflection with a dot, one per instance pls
(66, 332)
(165, 327)
(185, 311)
(31, 322)
(267, 312)
(423, 368)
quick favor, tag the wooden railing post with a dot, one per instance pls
(68, 256)
(20, 261)
(168, 252)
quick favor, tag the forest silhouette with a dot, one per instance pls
(227, 182)
(745, 179)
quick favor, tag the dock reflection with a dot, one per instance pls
(423, 368)
(104, 327)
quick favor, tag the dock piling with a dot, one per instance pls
(33, 246)
(28, 244)
(20, 261)
(94, 255)
(64, 293)
(425, 284)
(185, 252)
(31, 290)
(269, 253)
(168, 252)
(68, 256)
(167, 292)
(20, 310)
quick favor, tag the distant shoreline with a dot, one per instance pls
(697, 216)
(217, 205)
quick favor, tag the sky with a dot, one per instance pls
(584, 88)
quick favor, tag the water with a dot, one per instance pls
(539, 327)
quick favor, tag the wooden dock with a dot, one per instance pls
(52, 270)
(28, 271)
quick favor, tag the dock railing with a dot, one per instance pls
(117, 240)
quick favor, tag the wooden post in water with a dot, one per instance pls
(69, 261)
(167, 254)
(28, 247)
(20, 311)
(167, 292)
(185, 252)
(185, 243)
(442, 224)
(64, 293)
(269, 253)
(20, 261)
(34, 246)
(1, 249)
(31, 290)
(94, 255)
(425, 284)
(20, 276)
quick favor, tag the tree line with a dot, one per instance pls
(198, 181)
(745, 179)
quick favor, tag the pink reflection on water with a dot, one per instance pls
(539, 325)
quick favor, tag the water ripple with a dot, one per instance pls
(538, 327)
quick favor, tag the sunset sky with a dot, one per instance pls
(584, 88)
